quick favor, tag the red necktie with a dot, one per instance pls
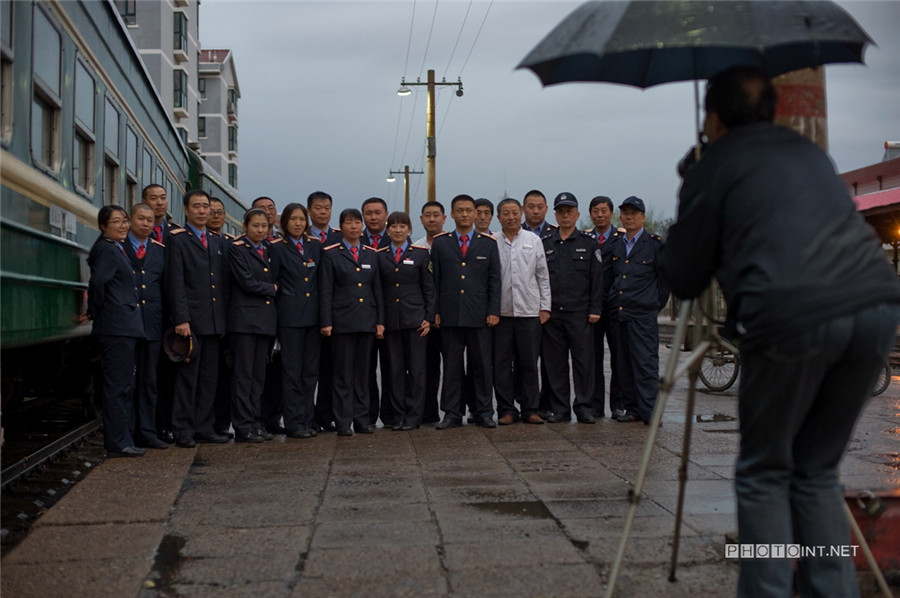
(355, 252)
(398, 254)
(300, 246)
(157, 232)
(262, 255)
(140, 252)
(465, 244)
(203, 240)
(375, 240)
(601, 240)
(322, 236)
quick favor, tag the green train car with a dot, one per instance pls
(81, 126)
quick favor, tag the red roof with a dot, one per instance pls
(878, 199)
(214, 55)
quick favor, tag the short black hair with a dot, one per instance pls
(535, 193)
(106, 213)
(146, 189)
(217, 200)
(482, 202)
(139, 206)
(460, 198)
(506, 201)
(375, 200)
(601, 199)
(399, 218)
(259, 199)
(740, 96)
(191, 193)
(317, 195)
(350, 214)
(435, 204)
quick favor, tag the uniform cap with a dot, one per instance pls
(179, 348)
(565, 199)
(635, 202)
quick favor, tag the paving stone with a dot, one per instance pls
(378, 564)
(251, 590)
(496, 555)
(213, 541)
(74, 579)
(373, 512)
(570, 580)
(237, 570)
(105, 541)
(404, 586)
(399, 533)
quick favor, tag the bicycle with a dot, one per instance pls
(884, 379)
(720, 369)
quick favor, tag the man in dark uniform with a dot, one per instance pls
(605, 235)
(484, 214)
(195, 293)
(375, 214)
(148, 260)
(222, 424)
(318, 205)
(534, 206)
(154, 195)
(467, 282)
(576, 295)
(433, 219)
(636, 296)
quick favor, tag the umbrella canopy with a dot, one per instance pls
(644, 43)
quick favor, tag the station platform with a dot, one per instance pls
(520, 510)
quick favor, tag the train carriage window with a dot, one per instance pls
(46, 104)
(85, 93)
(111, 180)
(83, 150)
(131, 192)
(6, 61)
(111, 129)
(131, 151)
(160, 173)
(147, 171)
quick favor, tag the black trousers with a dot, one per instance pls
(601, 330)
(299, 373)
(324, 411)
(271, 404)
(568, 333)
(195, 390)
(407, 375)
(476, 343)
(380, 402)
(222, 403)
(350, 384)
(637, 364)
(146, 359)
(117, 363)
(432, 375)
(165, 387)
(248, 380)
(517, 344)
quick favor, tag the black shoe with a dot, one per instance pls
(585, 418)
(155, 443)
(276, 429)
(370, 429)
(345, 432)
(471, 419)
(185, 442)
(616, 413)
(626, 418)
(166, 436)
(211, 439)
(326, 427)
(226, 433)
(446, 424)
(557, 418)
(300, 434)
(396, 427)
(128, 451)
(486, 422)
(252, 437)
(264, 434)
(408, 427)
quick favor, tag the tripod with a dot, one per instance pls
(705, 336)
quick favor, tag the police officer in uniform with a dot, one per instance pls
(467, 284)
(154, 195)
(296, 260)
(636, 296)
(195, 287)
(352, 314)
(606, 235)
(576, 294)
(115, 309)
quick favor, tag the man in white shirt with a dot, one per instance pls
(524, 307)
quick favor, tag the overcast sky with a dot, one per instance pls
(319, 108)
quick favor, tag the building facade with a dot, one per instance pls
(217, 123)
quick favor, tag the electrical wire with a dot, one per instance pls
(476, 37)
(428, 43)
(461, 28)
(409, 43)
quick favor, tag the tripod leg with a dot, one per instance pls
(682, 469)
(870, 559)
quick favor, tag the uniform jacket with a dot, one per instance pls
(408, 287)
(297, 275)
(251, 304)
(383, 241)
(576, 272)
(113, 302)
(196, 281)
(606, 254)
(350, 291)
(148, 278)
(467, 289)
(637, 290)
(167, 227)
(331, 237)
(545, 229)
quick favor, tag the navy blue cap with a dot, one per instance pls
(565, 199)
(635, 202)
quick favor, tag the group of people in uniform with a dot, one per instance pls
(282, 330)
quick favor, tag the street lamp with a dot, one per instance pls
(429, 130)
(405, 172)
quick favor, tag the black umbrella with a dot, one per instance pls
(645, 43)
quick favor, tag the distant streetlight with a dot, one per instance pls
(429, 131)
(405, 172)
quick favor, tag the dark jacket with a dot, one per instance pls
(576, 272)
(166, 229)
(637, 290)
(606, 254)
(408, 287)
(383, 241)
(764, 211)
(297, 275)
(350, 291)
(148, 279)
(196, 281)
(113, 302)
(251, 304)
(467, 289)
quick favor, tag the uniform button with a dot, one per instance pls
(214, 298)
(267, 302)
(461, 291)
(211, 274)
(359, 284)
(626, 261)
(396, 269)
(213, 286)
(360, 299)
(620, 292)
(463, 277)
(305, 280)
(307, 294)
(143, 286)
(143, 301)
(265, 269)
(624, 276)
(620, 309)
(142, 272)
(464, 264)
(398, 284)
(397, 300)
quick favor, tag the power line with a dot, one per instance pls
(476, 37)
(428, 43)
(409, 43)
(463, 26)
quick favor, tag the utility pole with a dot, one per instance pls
(405, 172)
(431, 146)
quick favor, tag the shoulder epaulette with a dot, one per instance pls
(620, 230)
(177, 231)
(212, 232)
(382, 249)
(552, 225)
(242, 242)
(335, 230)
(330, 247)
(278, 240)
(419, 247)
(441, 234)
(367, 247)
(108, 239)
(657, 237)
(152, 240)
(484, 236)
(309, 237)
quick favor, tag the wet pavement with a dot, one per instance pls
(519, 510)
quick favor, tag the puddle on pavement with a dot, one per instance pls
(715, 417)
(535, 509)
(166, 566)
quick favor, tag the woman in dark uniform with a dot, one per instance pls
(251, 324)
(351, 312)
(408, 287)
(296, 260)
(114, 307)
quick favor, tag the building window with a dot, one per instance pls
(45, 107)
(201, 87)
(83, 163)
(6, 62)
(181, 32)
(130, 192)
(180, 89)
(182, 132)
(131, 151)
(232, 139)
(232, 102)
(110, 182)
(111, 129)
(128, 10)
(85, 93)
(201, 127)
(147, 171)
(232, 175)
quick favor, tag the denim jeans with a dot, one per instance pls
(799, 401)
